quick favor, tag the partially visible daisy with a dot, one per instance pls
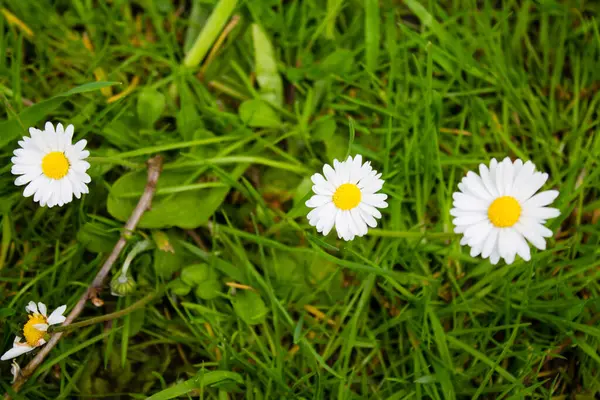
(35, 329)
(15, 370)
(498, 209)
(346, 197)
(51, 166)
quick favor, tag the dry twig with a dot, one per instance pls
(154, 170)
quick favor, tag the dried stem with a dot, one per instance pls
(154, 170)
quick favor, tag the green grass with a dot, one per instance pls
(426, 90)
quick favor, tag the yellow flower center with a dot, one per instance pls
(55, 165)
(347, 196)
(504, 212)
(33, 335)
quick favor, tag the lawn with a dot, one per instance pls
(230, 106)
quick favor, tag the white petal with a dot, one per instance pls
(531, 235)
(319, 180)
(80, 166)
(528, 188)
(535, 225)
(484, 172)
(329, 223)
(504, 245)
(370, 210)
(57, 316)
(341, 225)
(509, 175)
(375, 200)
(522, 177)
(490, 244)
(79, 146)
(33, 187)
(478, 233)
(32, 308)
(521, 246)
(511, 245)
(67, 191)
(49, 128)
(460, 228)
(517, 165)
(457, 212)
(343, 170)
(42, 308)
(359, 221)
(476, 250)
(500, 178)
(331, 175)
(540, 212)
(494, 257)
(475, 185)
(470, 203)
(322, 190)
(322, 215)
(22, 180)
(541, 199)
(468, 220)
(374, 186)
(16, 351)
(317, 201)
(41, 327)
(69, 133)
(368, 217)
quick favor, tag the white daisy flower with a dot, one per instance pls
(498, 209)
(347, 198)
(51, 166)
(35, 329)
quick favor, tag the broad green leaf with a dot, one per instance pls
(267, 75)
(150, 105)
(13, 128)
(96, 237)
(197, 273)
(202, 380)
(258, 114)
(188, 209)
(250, 307)
(208, 289)
(178, 287)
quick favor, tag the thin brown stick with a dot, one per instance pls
(197, 239)
(154, 170)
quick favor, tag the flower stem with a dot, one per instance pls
(137, 249)
(108, 317)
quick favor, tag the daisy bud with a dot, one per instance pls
(122, 285)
